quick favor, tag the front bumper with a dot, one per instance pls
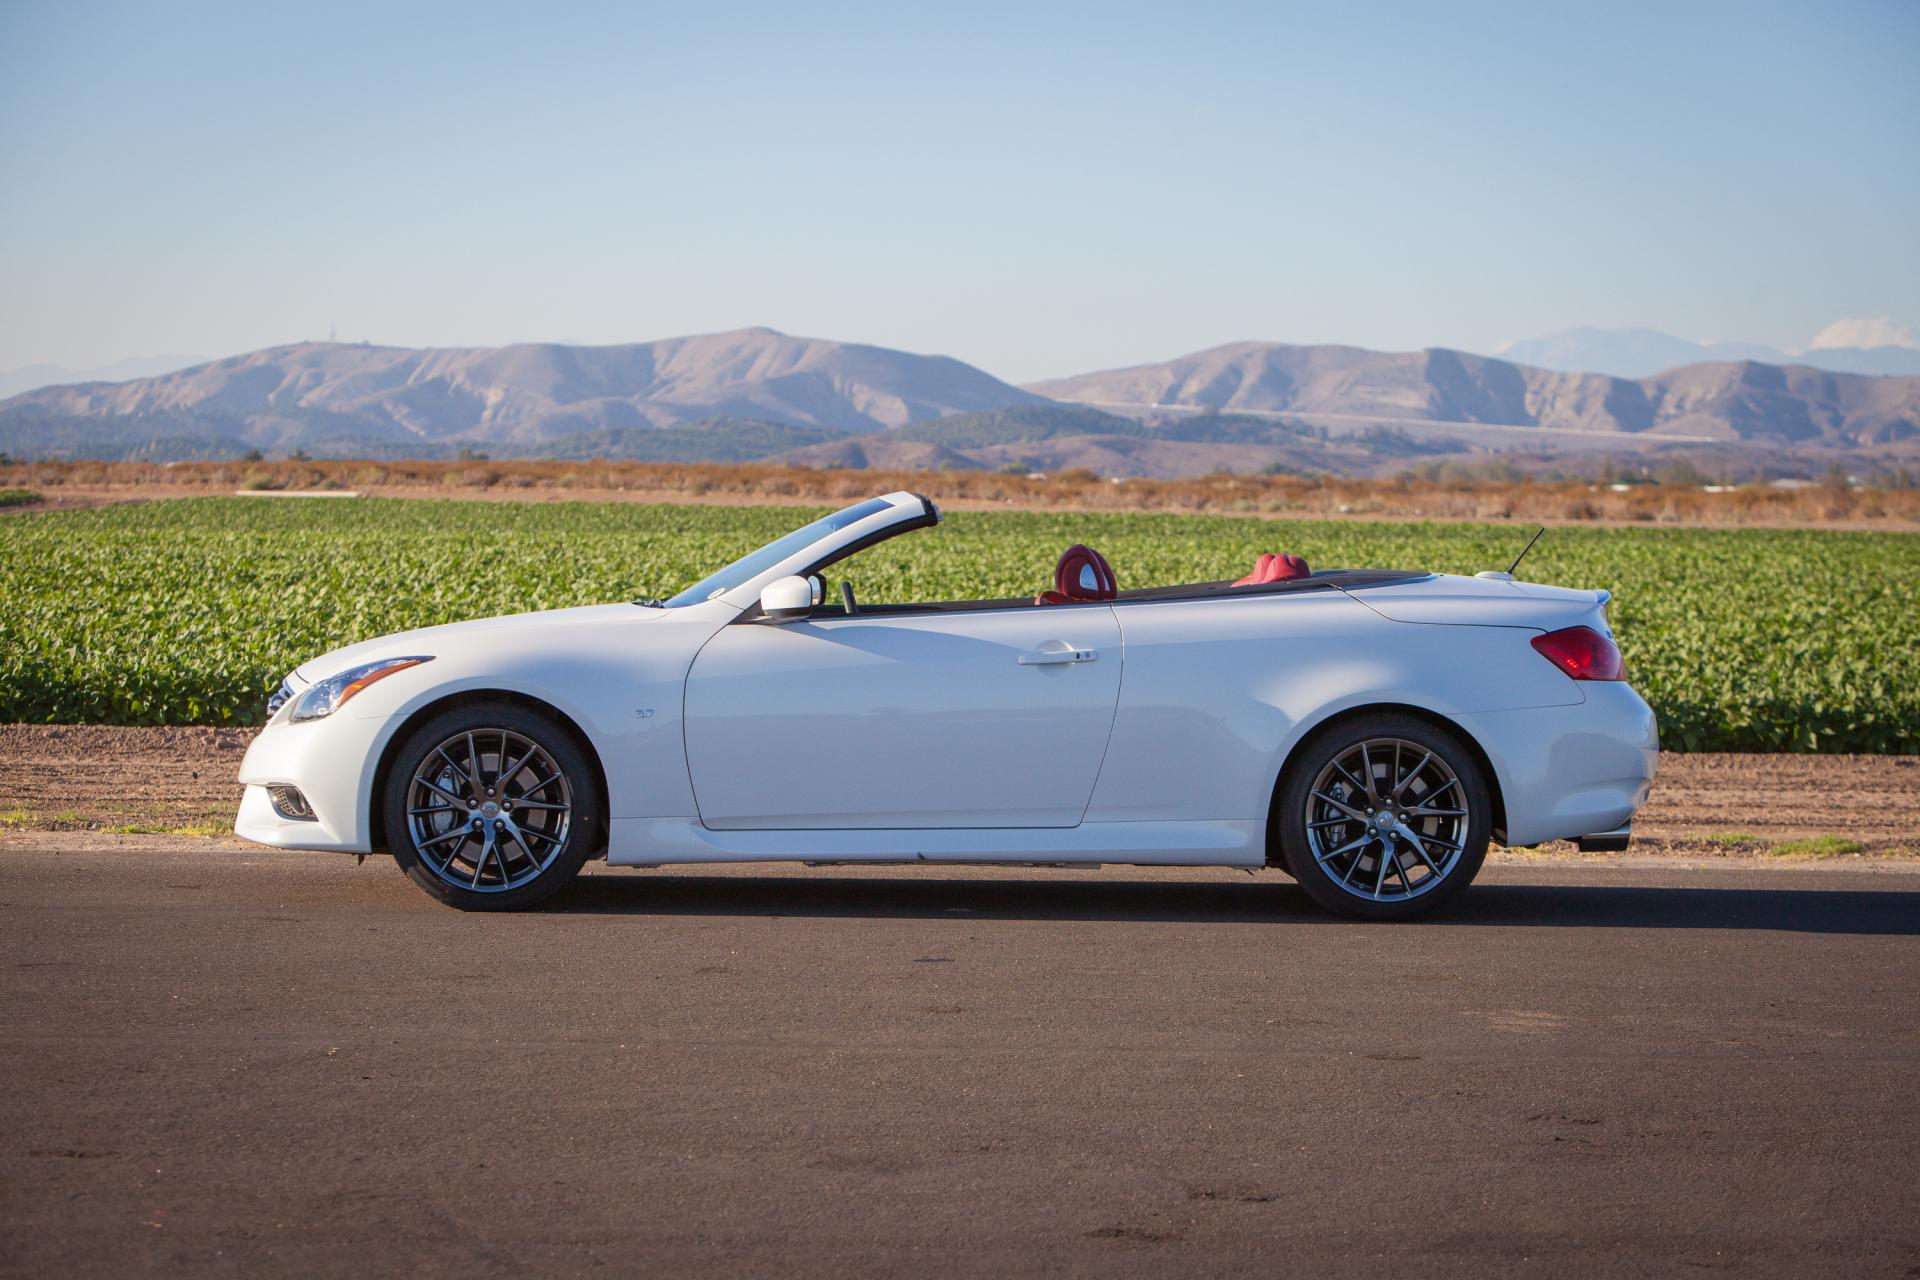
(332, 762)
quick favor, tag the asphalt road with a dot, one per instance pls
(220, 1058)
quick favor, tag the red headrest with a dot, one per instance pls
(1273, 568)
(1067, 584)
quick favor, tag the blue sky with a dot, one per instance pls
(1036, 189)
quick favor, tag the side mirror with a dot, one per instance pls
(787, 599)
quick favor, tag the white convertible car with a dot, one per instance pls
(1364, 730)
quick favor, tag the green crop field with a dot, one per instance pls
(191, 611)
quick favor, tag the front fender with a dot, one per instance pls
(618, 673)
(628, 705)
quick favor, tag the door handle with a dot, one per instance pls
(1056, 657)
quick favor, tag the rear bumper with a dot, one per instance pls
(1613, 841)
(1572, 772)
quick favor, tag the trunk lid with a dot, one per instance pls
(1446, 599)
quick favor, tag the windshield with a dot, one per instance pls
(758, 562)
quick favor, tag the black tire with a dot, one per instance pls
(531, 859)
(1376, 887)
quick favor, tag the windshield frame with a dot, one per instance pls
(828, 535)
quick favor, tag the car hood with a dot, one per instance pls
(429, 640)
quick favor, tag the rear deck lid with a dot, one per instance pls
(1450, 600)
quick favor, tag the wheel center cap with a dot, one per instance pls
(489, 810)
(1383, 820)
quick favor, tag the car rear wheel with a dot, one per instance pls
(1384, 817)
(492, 807)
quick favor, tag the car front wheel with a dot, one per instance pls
(1384, 817)
(491, 807)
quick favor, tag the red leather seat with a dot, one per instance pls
(1273, 568)
(1083, 575)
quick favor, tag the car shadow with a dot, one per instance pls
(1839, 911)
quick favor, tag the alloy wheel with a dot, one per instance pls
(1387, 820)
(488, 810)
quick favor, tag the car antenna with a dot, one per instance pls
(1523, 551)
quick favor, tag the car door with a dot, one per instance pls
(991, 718)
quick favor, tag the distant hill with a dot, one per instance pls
(187, 438)
(33, 376)
(755, 394)
(879, 453)
(325, 396)
(1018, 425)
(1736, 401)
(1054, 437)
(1639, 353)
(966, 441)
(708, 440)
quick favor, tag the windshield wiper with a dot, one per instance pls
(651, 602)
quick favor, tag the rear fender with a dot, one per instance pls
(1498, 774)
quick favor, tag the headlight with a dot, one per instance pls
(327, 696)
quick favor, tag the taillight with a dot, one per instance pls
(1583, 653)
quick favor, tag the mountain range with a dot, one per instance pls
(759, 394)
(1701, 403)
(1639, 353)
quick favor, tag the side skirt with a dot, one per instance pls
(647, 842)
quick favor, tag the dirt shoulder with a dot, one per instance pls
(126, 780)
(84, 484)
(1358, 501)
(1712, 807)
